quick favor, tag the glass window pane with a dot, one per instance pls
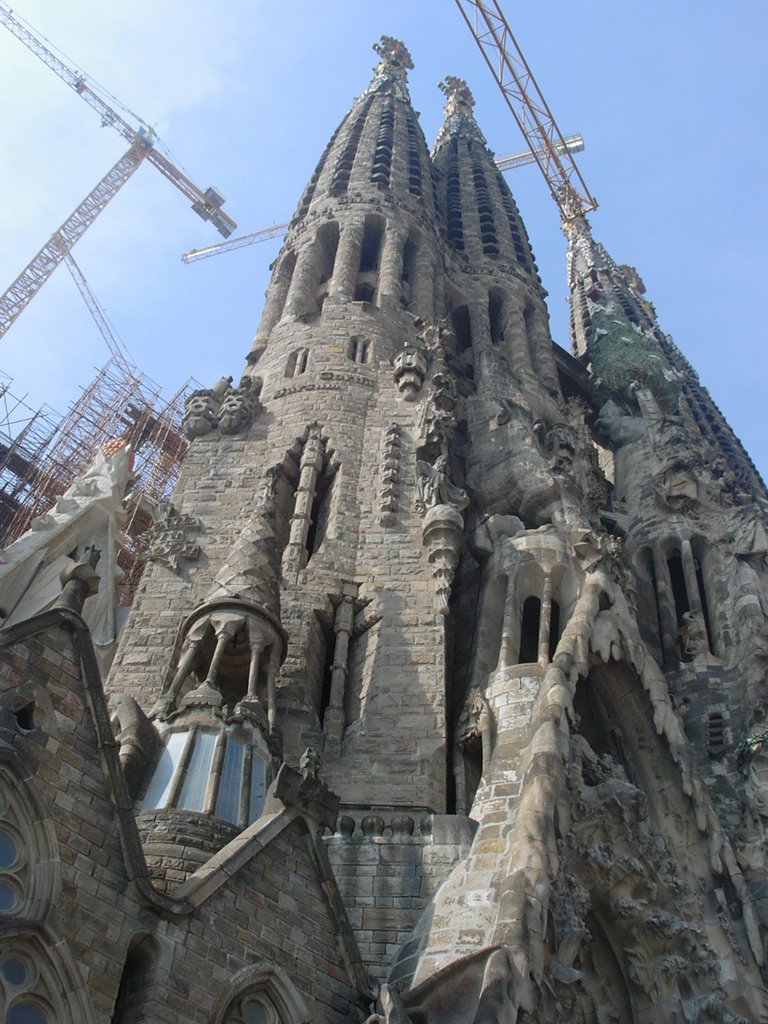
(258, 774)
(14, 971)
(231, 783)
(160, 786)
(198, 772)
(8, 851)
(254, 1012)
(27, 1013)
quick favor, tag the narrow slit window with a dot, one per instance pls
(529, 631)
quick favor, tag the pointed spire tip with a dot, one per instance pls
(393, 53)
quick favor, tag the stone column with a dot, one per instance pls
(545, 620)
(666, 604)
(423, 282)
(509, 627)
(295, 557)
(691, 580)
(276, 298)
(258, 639)
(347, 261)
(272, 670)
(333, 721)
(301, 298)
(391, 268)
(225, 626)
(516, 340)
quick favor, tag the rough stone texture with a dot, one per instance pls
(514, 601)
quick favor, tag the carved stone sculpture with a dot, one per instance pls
(693, 634)
(410, 370)
(434, 488)
(240, 406)
(200, 413)
(169, 538)
(443, 534)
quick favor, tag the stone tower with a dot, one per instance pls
(443, 697)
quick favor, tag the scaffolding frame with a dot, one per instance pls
(39, 462)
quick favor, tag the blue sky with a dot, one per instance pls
(670, 98)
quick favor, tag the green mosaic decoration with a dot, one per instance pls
(622, 355)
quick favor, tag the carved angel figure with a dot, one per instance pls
(434, 488)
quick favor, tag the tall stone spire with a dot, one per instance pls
(338, 251)
(481, 216)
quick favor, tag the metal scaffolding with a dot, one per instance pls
(40, 457)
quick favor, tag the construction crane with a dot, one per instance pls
(114, 344)
(489, 27)
(571, 143)
(143, 146)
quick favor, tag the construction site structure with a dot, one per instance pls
(39, 461)
(501, 51)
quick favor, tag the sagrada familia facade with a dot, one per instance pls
(443, 698)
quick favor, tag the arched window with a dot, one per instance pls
(529, 631)
(253, 1009)
(24, 990)
(462, 327)
(370, 258)
(410, 250)
(496, 315)
(358, 350)
(29, 856)
(39, 982)
(264, 995)
(297, 362)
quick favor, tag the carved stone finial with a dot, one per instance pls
(443, 536)
(459, 98)
(394, 54)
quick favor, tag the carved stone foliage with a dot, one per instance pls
(390, 475)
(438, 419)
(614, 867)
(623, 355)
(752, 835)
(169, 537)
(229, 409)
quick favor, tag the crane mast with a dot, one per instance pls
(502, 53)
(29, 282)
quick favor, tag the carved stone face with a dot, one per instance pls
(199, 415)
(235, 414)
